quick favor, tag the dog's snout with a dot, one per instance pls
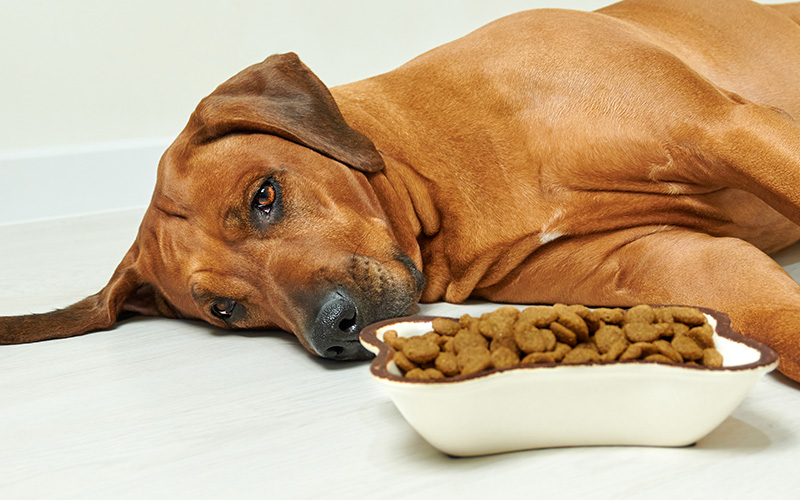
(335, 331)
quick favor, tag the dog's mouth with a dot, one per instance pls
(374, 294)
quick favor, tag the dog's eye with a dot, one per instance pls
(265, 197)
(223, 308)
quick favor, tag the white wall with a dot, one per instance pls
(91, 91)
(83, 71)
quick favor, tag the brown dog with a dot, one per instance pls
(646, 152)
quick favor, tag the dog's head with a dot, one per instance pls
(262, 218)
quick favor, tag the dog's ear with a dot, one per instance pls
(282, 97)
(124, 292)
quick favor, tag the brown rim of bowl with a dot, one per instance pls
(378, 366)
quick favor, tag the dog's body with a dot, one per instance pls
(647, 152)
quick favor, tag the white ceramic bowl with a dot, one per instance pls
(550, 405)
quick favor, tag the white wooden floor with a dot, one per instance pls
(170, 409)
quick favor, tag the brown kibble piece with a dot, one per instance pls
(640, 314)
(660, 358)
(712, 358)
(447, 363)
(607, 336)
(501, 320)
(663, 315)
(616, 350)
(538, 316)
(560, 351)
(581, 355)
(433, 373)
(444, 326)
(666, 349)
(504, 339)
(417, 373)
(539, 357)
(688, 315)
(465, 338)
(530, 340)
(615, 316)
(640, 332)
(432, 337)
(403, 362)
(563, 334)
(702, 335)
(420, 350)
(504, 358)
(467, 322)
(687, 348)
(473, 359)
(391, 339)
(679, 329)
(575, 323)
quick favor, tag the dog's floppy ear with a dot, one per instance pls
(282, 97)
(124, 292)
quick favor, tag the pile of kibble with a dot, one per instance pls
(568, 334)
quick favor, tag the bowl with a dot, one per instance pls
(554, 405)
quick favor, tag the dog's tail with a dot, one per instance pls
(124, 292)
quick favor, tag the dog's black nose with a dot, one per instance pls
(335, 332)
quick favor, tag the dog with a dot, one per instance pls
(647, 152)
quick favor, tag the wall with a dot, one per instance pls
(92, 91)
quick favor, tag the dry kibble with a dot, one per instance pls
(614, 316)
(578, 355)
(640, 332)
(659, 358)
(563, 334)
(688, 316)
(608, 336)
(530, 340)
(539, 357)
(432, 337)
(560, 351)
(444, 326)
(417, 373)
(447, 363)
(712, 357)
(433, 373)
(504, 358)
(687, 348)
(538, 316)
(616, 350)
(473, 359)
(392, 340)
(702, 335)
(403, 362)
(466, 338)
(575, 323)
(500, 320)
(640, 314)
(666, 349)
(569, 334)
(420, 350)
(505, 339)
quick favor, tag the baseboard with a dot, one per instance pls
(56, 182)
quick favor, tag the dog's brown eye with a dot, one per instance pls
(223, 308)
(265, 197)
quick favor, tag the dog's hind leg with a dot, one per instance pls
(756, 149)
(662, 265)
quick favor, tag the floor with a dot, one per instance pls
(170, 409)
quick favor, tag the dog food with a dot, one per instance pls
(567, 334)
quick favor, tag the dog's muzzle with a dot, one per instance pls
(335, 331)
